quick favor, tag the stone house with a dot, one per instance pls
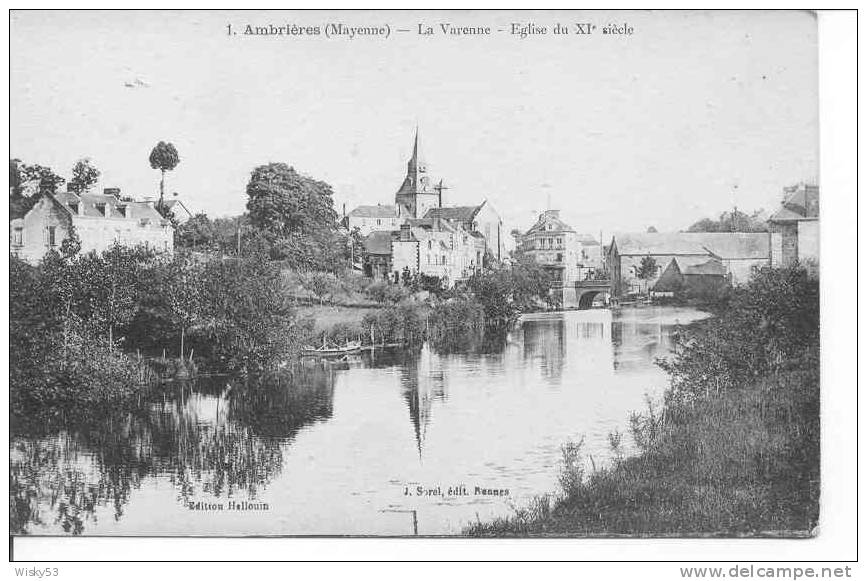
(794, 227)
(376, 218)
(566, 255)
(441, 241)
(482, 219)
(740, 253)
(707, 276)
(99, 221)
(435, 248)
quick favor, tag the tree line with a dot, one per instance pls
(80, 325)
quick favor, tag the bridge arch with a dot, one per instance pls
(587, 290)
(586, 297)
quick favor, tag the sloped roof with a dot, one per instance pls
(136, 210)
(801, 203)
(91, 203)
(728, 245)
(711, 267)
(671, 278)
(377, 211)
(552, 218)
(378, 243)
(170, 204)
(461, 213)
(431, 224)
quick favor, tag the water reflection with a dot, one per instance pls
(217, 438)
(333, 446)
(545, 341)
(423, 382)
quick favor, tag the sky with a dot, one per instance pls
(692, 114)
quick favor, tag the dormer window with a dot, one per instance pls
(100, 207)
(124, 210)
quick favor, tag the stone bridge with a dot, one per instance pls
(587, 290)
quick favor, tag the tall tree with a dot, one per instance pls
(284, 202)
(48, 181)
(84, 176)
(646, 270)
(164, 157)
(297, 215)
(27, 183)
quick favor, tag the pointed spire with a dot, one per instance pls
(415, 160)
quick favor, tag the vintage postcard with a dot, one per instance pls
(414, 273)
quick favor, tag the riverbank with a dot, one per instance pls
(98, 328)
(734, 451)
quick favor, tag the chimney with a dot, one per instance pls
(112, 192)
(344, 209)
(405, 233)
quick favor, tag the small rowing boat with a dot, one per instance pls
(331, 350)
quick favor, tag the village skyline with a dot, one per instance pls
(694, 140)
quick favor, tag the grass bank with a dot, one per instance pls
(733, 451)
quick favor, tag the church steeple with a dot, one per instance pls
(416, 192)
(416, 168)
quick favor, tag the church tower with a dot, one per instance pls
(417, 192)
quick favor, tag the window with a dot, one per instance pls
(18, 237)
(378, 222)
(52, 236)
(559, 257)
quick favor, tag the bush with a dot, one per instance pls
(58, 357)
(774, 319)
(384, 292)
(403, 323)
(734, 450)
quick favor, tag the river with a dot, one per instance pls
(391, 444)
